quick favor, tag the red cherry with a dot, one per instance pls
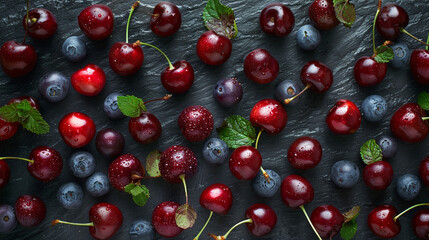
(47, 164)
(296, 191)
(269, 115)
(41, 23)
(263, 217)
(89, 81)
(196, 123)
(213, 49)
(318, 75)
(380, 221)
(217, 198)
(368, 72)
(304, 153)
(30, 211)
(96, 21)
(277, 19)
(390, 20)
(419, 65)
(33, 102)
(245, 162)
(109, 142)
(260, 66)
(327, 220)
(126, 58)
(17, 59)
(322, 13)
(164, 219)
(378, 175)
(122, 169)
(76, 129)
(178, 79)
(107, 220)
(407, 124)
(4, 173)
(166, 19)
(421, 224)
(7, 129)
(344, 117)
(424, 171)
(176, 161)
(145, 128)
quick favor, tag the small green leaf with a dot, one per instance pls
(185, 216)
(23, 109)
(129, 187)
(370, 152)
(35, 123)
(345, 12)
(141, 198)
(423, 100)
(220, 19)
(383, 54)
(237, 131)
(152, 163)
(348, 230)
(131, 106)
(136, 191)
(351, 214)
(9, 112)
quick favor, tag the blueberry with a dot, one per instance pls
(374, 108)
(215, 151)
(54, 86)
(111, 106)
(70, 195)
(401, 58)
(74, 49)
(141, 229)
(7, 218)
(264, 188)
(287, 89)
(82, 164)
(345, 174)
(228, 92)
(308, 37)
(408, 187)
(388, 145)
(98, 184)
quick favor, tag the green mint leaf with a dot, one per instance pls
(348, 230)
(345, 12)
(141, 199)
(136, 191)
(9, 112)
(237, 131)
(220, 19)
(129, 187)
(185, 216)
(351, 214)
(23, 109)
(35, 123)
(370, 152)
(131, 106)
(383, 54)
(152, 163)
(422, 100)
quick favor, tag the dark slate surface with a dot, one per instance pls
(340, 48)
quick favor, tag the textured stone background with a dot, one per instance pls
(340, 48)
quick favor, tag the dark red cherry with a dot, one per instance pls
(368, 72)
(122, 169)
(7, 129)
(164, 219)
(421, 224)
(96, 21)
(270, 115)
(424, 171)
(304, 153)
(419, 65)
(107, 220)
(245, 162)
(217, 198)
(260, 66)
(296, 191)
(176, 161)
(145, 128)
(317, 75)
(277, 19)
(407, 124)
(126, 58)
(344, 117)
(390, 20)
(4, 173)
(378, 175)
(213, 49)
(380, 221)
(30, 211)
(179, 79)
(166, 19)
(109, 142)
(322, 13)
(33, 102)
(47, 164)
(196, 123)
(264, 219)
(17, 59)
(327, 220)
(89, 81)
(41, 23)
(77, 129)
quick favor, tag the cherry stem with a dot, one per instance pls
(159, 50)
(427, 42)
(56, 221)
(288, 100)
(182, 177)
(26, 23)
(408, 209)
(267, 177)
(257, 138)
(386, 43)
(230, 230)
(415, 38)
(133, 7)
(138, 177)
(205, 225)
(309, 221)
(373, 24)
(256, 147)
(18, 158)
(425, 118)
(166, 97)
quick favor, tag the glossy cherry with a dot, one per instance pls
(33, 102)
(46, 163)
(126, 58)
(407, 123)
(17, 59)
(378, 175)
(217, 198)
(30, 210)
(166, 19)
(245, 162)
(421, 224)
(179, 78)
(380, 221)
(7, 129)
(145, 128)
(41, 23)
(424, 171)
(260, 66)
(263, 217)
(344, 117)
(109, 142)
(77, 129)
(322, 14)
(196, 123)
(89, 81)
(296, 191)
(213, 49)
(277, 19)
(177, 161)
(4, 173)
(368, 72)
(122, 169)
(269, 115)
(419, 65)
(164, 219)
(327, 220)
(390, 20)
(96, 21)
(304, 153)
